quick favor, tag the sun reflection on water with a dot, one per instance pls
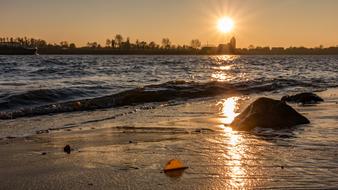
(235, 143)
(234, 158)
(224, 64)
(229, 107)
(221, 59)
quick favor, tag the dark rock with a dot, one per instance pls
(304, 98)
(44, 153)
(67, 149)
(268, 113)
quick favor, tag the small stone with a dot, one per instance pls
(44, 153)
(304, 98)
(67, 149)
(198, 130)
(282, 167)
(42, 131)
(90, 184)
(77, 105)
(130, 141)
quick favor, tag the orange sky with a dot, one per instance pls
(259, 22)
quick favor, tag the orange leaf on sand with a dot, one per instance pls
(174, 164)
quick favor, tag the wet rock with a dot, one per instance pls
(77, 105)
(67, 149)
(268, 113)
(304, 98)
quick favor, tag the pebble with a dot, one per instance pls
(67, 149)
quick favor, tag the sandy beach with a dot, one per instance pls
(126, 148)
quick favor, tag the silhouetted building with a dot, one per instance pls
(228, 48)
(232, 43)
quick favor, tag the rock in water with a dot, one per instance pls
(268, 113)
(304, 98)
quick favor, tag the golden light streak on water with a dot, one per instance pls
(229, 107)
(234, 156)
(222, 70)
(235, 143)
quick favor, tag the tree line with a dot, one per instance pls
(119, 42)
(116, 42)
(120, 45)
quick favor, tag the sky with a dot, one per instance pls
(286, 23)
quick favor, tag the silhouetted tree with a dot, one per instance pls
(64, 44)
(166, 43)
(108, 42)
(92, 44)
(126, 44)
(195, 44)
(152, 45)
(143, 45)
(72, 46)
(137, 44)
(113, 43)
(119, 40)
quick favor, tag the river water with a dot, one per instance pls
(191, 99)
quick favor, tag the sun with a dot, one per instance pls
(225, 24)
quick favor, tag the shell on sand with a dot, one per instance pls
(174, 164)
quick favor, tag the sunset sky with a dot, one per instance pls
(259, 22)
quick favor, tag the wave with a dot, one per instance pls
(173, 90)
(38, 97)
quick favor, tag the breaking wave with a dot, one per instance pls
(48, 101)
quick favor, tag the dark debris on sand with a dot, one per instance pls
(67, 149)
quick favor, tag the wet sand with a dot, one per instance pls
(126, 148)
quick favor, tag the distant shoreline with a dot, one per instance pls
(108, 51)
(119, 46)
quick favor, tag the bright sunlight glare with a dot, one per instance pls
(225, 24)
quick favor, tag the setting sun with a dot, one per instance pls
(225, 24)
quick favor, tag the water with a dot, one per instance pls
(194, 130)
(27, 82)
